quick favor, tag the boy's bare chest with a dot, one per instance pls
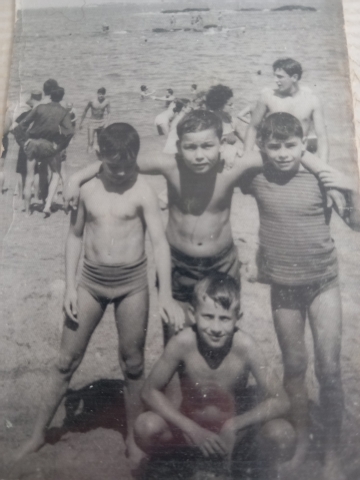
(202, 379)
(196, 197)
(301, 106)
(111, 206)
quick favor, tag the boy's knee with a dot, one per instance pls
(134, 367)
(279, 437)
(67, 364)
(296, 364)
(148, 425)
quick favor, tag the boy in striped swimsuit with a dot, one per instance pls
(297, 257)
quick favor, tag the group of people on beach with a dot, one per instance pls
(197, 396)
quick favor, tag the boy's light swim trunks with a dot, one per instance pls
(108, 283)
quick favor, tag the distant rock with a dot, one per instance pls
(294, 7)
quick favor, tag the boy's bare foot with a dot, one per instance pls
(134, 454)
(46, 213)
(332, 468)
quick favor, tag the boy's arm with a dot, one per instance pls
(170, 310)
(275, 403)
(72, 187)
(153, 396)
(332, 178)
(320, 130)
(28, 119)
(72, 255)
(84, 114)
(316, 166)
(256, 118)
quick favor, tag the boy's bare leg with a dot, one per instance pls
(326, 325)
(91, 135)
(30, 164)
(75, 338)
(131, 315)
(55, 166)
(290, 329)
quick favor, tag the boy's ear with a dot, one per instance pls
(305, 142)
(191, 313)
(295, 77)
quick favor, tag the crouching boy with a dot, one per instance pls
(114, 210)
(214, 360)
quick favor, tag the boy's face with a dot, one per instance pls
(200, 150)
(215, 324)
(118, 172)
(285, 155)
(228, 106)
(284, 81)
(101, 97)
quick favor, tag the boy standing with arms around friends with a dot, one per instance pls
(214, 360)
(297, 257)
(200, 191)
(115, 208)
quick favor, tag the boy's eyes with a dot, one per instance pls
(194, 147)
(277, 146)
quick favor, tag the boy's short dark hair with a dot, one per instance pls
(57, 94)
(50, 85)
(122, 139)
(197, 121)
(102, 91)
(170, 90)
(194, 86)
(220, 287)
(290, 66)
(217, 97)
(143, 88)
(280, 126)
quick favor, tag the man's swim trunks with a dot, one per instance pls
(39, 149)
(108, 283)
(186, 271)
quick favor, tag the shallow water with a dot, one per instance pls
(69, 45)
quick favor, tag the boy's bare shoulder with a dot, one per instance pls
(88, 187)
(244, 344)
(186, 339)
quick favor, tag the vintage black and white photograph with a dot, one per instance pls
(180, 243)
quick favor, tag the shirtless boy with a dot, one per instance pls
(100, 111)
(200, 190)
(297, 257)
(114, 210)
(293, 98)
(214, 360)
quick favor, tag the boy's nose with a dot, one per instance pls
(199, 154)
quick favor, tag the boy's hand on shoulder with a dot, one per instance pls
(332, 178)
(71, 196)
(208, 442)
(70, 303)
(228, 155)
(171, 313)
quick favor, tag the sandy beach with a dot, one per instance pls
(89, 444)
